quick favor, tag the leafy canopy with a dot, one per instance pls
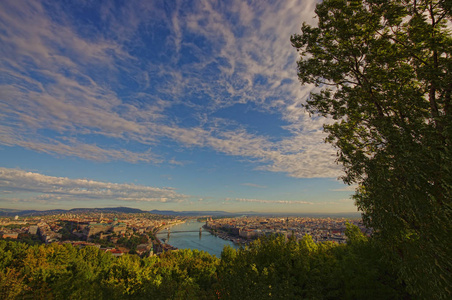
(384, 72)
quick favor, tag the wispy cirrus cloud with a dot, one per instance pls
(69, 88)
(36, 187)
(348, 188)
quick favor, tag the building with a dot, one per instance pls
(33, 230)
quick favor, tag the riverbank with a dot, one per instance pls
(163, 245)
(187, 236)
(227, 237)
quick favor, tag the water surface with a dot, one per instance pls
(192, 239)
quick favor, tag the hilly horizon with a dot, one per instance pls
(13, 212)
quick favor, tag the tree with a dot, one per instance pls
(11, 283)
(364, 275)
(384, 74)
(273, 268)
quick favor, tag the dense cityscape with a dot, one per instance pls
(136, 233)
(242, 230)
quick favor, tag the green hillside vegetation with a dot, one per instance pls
(270, 268)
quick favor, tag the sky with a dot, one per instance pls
(169, 105)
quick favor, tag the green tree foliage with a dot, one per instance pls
(365, 275)
(11, 283)
(16, 226)
(133, 241)
(67, 231)
(271, 268)
(64, 272)
(384, 73)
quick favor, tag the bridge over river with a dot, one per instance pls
(187, 235)
(179, 231)
(183, 231)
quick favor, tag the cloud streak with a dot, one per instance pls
(70, 89)
(348, 188)
(37, 187)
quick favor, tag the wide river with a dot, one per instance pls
(192, 239)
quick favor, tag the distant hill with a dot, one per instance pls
(4, 212)
(193, 213)
(217, 213)
(16, 212)
(127, 210)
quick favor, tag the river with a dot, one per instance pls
(193, 240)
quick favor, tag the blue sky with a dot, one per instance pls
(181, 105)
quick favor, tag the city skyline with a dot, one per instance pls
(172, 105)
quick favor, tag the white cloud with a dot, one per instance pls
(38, 187)
(72, 147)
(61, 87)
(348, 188)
